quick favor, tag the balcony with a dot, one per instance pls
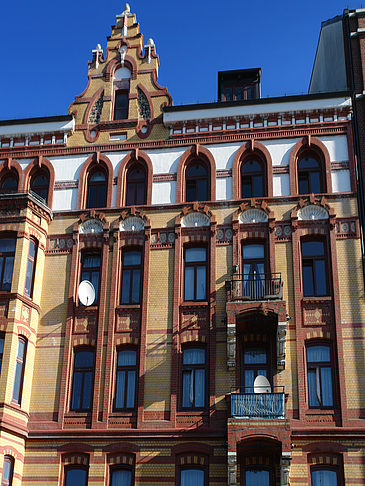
(258, 405)
(254, 287)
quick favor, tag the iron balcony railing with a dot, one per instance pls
(255, 286)
(258, 405)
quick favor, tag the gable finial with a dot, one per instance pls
(150, 45)
(97, 55)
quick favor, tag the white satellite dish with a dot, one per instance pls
(86, 293)
(261, 384)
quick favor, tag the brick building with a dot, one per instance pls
(223, 244)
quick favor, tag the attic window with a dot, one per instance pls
(121, 105)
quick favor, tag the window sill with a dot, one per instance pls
(192, 412)
(315, 298)
(128, 306)
(194, 303)
(84, 308)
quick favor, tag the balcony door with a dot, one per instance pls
(253, 269)
(255, 363)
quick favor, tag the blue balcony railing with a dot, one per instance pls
(257, 286)
(258, 405)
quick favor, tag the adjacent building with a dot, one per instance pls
(221, 340)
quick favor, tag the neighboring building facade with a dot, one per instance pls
(223, 244)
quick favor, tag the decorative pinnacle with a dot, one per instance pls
(127, 8)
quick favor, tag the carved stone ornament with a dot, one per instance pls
(312, 213)
(195, 219)
(281, 345)
(253, 216)
(232, 468)
(91, 226)
(285, 469)
(231, 346)
(132, 223)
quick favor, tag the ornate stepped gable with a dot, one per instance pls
(122, 100)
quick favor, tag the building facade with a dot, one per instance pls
(221, 340)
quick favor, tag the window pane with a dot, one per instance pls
(194, 356)
(136, 285)
(318, 354)
(76, 477)
(315, 182)
(313, 388)
(17, 382)
(7, 469)
(192, 477)
(257, 186)
(121, 477)
(251, 166)
(257, 477)
(76, 391)
(195, 255)
(324, 477)
(84, 359)
(253, 251)
(249, 380)
(196, 170)
(326, 383)
(255, 356)
(308, 286)
(126, 283)
(127, 358)
(21, 349)
(303, 184)
(202, 186)
(189, 283)
(28, 277)
(321, 280)
(8, 273)
(132, 258)
(188, 395)
(308, 163)
(131, 387)
(199, 389)
(119, 394)
(190, 191)
(312, 248)
(86, 399)
(98, 176)
(201, 283)
(91, 261)
(2, 340)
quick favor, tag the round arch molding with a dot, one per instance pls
(90, 163)
(11, 165)
(40, 163)
(136, 156)
(195, 152)
(250, 149)
(310, 144)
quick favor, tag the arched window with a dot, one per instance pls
(97, 184)
(8, 471)
(310, 175)
(39, 183)
(19, 370)
(252, 179)
(76, 476)
(136, 185)
(31, 263)
(197, 182)
(9, 182)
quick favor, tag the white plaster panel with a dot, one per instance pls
(281, 185)
(341, 181)
(64, 200)
(24, 162)
(224, 188)
(337, 147)
(164, 192)
(68, 168)
(166, 160)
(223, 154)
(115, 159)
(280, 150)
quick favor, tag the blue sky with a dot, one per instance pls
(46, 46)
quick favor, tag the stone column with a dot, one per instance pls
(285, 469)
(232, 468)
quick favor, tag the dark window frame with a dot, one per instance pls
(126, 369)
(136, 185)
(195, 265)
(119, 467)
(305, 174)
(82, 370)
(314, 365)
(121, 110)
(9, 480)
(94, 188)
(88, 252)
(6, 255)
(42, 190)
(2, 345)
(133, 268)
(270, 469)
(194, 467)
(328, 467)
(8, 175)
(193, 181)
(251, 174)
(256, 367)
(194, 367)
(31, 268)
(309, 262)
(246, 88)
(20, 362)
(78, 467)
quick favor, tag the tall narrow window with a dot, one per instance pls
(314, 268)
(310, 177)
(192, 476)
(83, 376)
(319, 373)
(195, 274)
(120, 477)
(253, 265)
(8, 471)
(121, 105)
(96, 189)
(75, 476)
(197, 182)
(255, 476)
(131, 277)
(324, 476)
(31, 262)
(7, 255)
(90, 270)
(255, 363)
(193, 378)
(2, 342)
(252, 179)
(39, 184)
(19, 370)
(136, 185)
(125, 390)
(9, 182)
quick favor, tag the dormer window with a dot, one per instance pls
(121, 105)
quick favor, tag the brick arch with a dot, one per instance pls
(192, 153)
(192, 448)
(115, 64)
(314, 145)
(127, 162)
(249, 150)
(10, 165)
(88, 165)
(40, 163)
